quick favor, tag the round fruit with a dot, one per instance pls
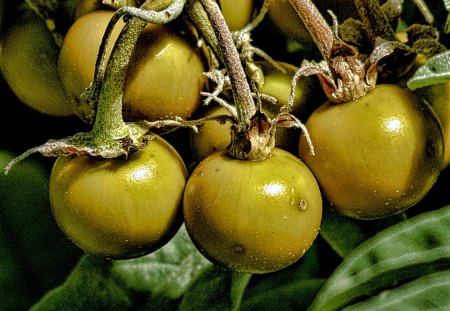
(244, 217)
(163, 80)
(30, 66)
(119, 208)
(237, 14)
(84, 7)
(165, 76)
(375, 156)
(438, 96)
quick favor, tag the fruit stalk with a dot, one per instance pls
(241, 90)
(316, 25)
(108, 120)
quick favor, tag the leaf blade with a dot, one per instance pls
(410, 249)
(435, 70)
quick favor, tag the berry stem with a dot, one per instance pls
(241, 90)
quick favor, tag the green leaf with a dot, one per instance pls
(407, 250)
(430, 292)
(216, 289)
(447, 4)
(341, 233)
(435, 70)
(32, 243)
(158, 278)
(168, 271)
(13, 279)
(292, 288)
(90, 286)
(290, 296)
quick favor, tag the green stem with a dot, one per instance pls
(199, 17)
(109, 122)
(242, 95)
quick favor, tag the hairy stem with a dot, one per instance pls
(317, 26)
(241, 90)
(108, 120)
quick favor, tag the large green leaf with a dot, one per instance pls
(35, 256)
(430, 292)
(435, 70)
(408, 250)
(292, 288)
(158, 278)
(168, 271)
(216, 289)
(341, 233)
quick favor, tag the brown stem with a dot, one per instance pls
(316, 25)
(241, 90)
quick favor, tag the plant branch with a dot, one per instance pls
(108, 120)
(241, 90)
(317, 26)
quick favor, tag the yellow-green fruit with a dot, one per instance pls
(165, 76)
(252, 216)
(237, 14)
(375, 156)
(29, 65)
(438, 96)
(78, 55)
(119, 208)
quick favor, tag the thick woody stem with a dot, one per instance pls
(241, 90)
(317, 26)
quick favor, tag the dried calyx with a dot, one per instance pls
(252, 132)
(343, 74)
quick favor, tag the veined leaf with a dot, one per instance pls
(447, 4)
(408, 250)
(435, 70)
(341, 233)
(292, 288)
(426, 293)
(216, 289)
(168, 271)
(100, 284)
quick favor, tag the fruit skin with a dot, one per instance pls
(244, 217)
(438, 96)
(237, 14)
(78, 55)
(30, 65)
(119, 208)
(165, 76)
(163, 80)
(375, 156)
